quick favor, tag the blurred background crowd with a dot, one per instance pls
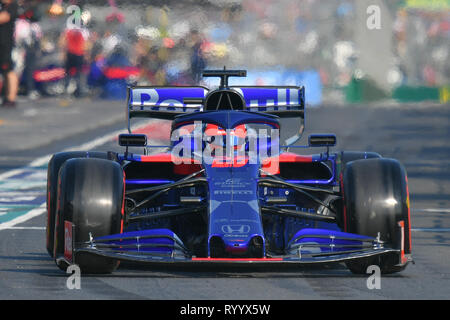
(98, 47)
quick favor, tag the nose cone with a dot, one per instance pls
(234, 217)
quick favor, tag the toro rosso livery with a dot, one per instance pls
(227, 190)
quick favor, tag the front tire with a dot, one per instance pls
(54, 165)
(91, 197)
(376, 201)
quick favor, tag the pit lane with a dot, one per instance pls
(416, 135)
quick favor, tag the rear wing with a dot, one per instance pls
(283, 101)
(163, 102)
(171, 101)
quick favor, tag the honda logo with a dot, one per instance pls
(240, 228)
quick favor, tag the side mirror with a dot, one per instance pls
(322, 140)
(132, 140)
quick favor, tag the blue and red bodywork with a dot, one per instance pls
(234, 212)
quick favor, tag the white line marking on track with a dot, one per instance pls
(430, 229)
(24, 228)
(29, 215)
(432, 210)
(7, 174)
(85, 146)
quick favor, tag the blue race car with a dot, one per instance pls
(226, 190)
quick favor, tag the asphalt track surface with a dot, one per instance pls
(416, 135)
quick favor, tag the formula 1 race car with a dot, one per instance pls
(226, 190)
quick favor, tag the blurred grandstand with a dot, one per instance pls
(322, 44)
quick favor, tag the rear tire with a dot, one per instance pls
(91, 197)
(376, 199)
(54, 165)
